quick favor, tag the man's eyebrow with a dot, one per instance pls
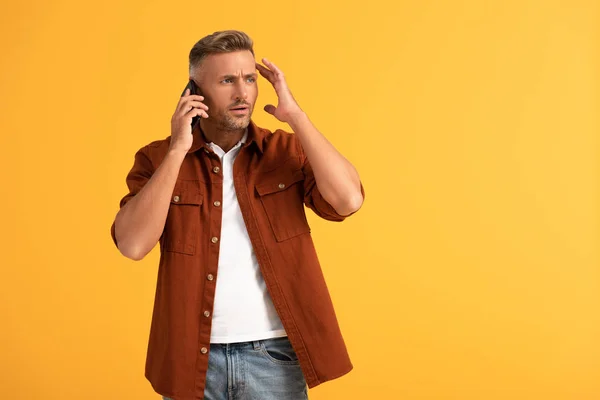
(230, 76)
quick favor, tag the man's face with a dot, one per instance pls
(228, 81)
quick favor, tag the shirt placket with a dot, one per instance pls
(215, 165)
(215, 162)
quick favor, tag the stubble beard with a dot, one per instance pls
(228, 122)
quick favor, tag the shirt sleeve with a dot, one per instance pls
(312, 196)
(137, 177)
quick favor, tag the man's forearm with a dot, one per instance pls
(336, 177)
(140, 222)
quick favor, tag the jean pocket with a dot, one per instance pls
(279, 351)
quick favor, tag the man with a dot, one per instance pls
(241, 309)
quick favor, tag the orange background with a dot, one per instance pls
(472, 270)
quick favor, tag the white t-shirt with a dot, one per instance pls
(243, 309)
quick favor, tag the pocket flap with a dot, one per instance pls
(279, 182)
(186, 194)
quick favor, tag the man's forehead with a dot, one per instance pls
(234, 63)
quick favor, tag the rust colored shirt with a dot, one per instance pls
(273, 181)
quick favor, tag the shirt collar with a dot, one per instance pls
(212, 145)
(253, 134)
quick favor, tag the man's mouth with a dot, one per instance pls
(240, 109)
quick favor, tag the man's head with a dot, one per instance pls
(224, 69)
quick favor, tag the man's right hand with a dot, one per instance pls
(188, 107)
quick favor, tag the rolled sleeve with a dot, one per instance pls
(137, 177)
(312, 196)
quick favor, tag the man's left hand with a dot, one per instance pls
(287, 106)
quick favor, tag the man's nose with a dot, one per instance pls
(240, 91)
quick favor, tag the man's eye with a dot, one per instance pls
(226, 80)
(252, 79)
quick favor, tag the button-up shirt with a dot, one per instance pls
(273, 181)
(243, 309)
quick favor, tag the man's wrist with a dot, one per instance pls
(296, 118)
(177, 153)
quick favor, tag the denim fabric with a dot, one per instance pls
(265, 369)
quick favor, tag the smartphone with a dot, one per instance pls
(193, 90)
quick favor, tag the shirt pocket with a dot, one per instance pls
(282, 196)
(182, 226)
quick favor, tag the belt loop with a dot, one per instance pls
(256, 344)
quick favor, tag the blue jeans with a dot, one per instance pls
(265, 369)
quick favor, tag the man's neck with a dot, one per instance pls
(223, 138)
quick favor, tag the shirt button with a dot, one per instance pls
(207, 313)
(214, 239)
(175, 199)
(203, 350)
(281, 185)
(217, 203)
(210, 277)
(216, 170)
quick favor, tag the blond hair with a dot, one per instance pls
(219, 42)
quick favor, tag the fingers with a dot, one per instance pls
(195, 111)
(265, 72)
(272, 66)
(275, 70)
(187, 103)
(273, 74)
(187, 97)
(196, 104)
